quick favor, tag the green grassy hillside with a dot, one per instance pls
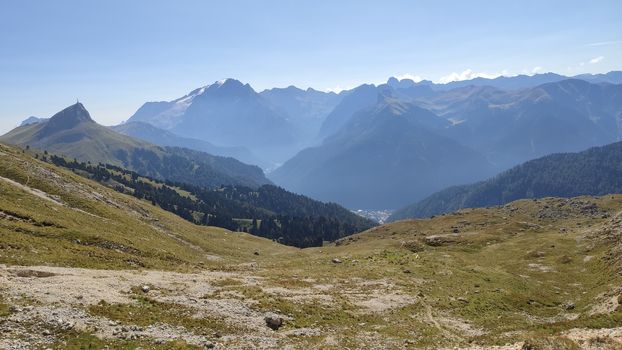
(532, 274)
(267, 211)
(54, 217)
(531, 268)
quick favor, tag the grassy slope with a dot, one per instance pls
(100, 228)
(506, 276)
(95, 149)
(496, 264)
(89, 141)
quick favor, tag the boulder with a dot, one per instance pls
(274, 322)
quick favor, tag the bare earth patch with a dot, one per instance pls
(62, 298)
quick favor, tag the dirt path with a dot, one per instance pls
(433, 320)
(32, 191)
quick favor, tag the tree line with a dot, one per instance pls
(268, 211)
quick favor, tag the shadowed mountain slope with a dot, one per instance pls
(381, 156)
(596, 171)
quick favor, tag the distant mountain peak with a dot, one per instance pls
(230, 82)
(227, 87)
(400, 84)
(221, 88)
(406, 83)
(392, 81)
(66, 119)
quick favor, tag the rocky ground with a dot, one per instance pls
(45, 301)
(48, 305)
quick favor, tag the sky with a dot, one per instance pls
(115, 55)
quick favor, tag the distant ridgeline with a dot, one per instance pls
(595, 171)
(267, 211)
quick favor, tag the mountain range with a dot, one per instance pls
(499, 129)
(596, 171)
(533, 273)
(227, 113)
(510, 127)
(73, 133)
(230, 113)
(329, 146)
(197, 186)
(516, 82)
(388, 149)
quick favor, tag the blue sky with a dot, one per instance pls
(114, 55)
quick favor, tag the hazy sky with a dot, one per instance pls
(115, 55)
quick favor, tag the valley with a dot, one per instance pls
(91, 267)
(133, 237)
(301, 175)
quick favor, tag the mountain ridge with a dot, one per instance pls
(379, 144)
(161, 137)
(226, 113)
(71, 132)
(68, 118)
(596, 171)
(306, 108)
